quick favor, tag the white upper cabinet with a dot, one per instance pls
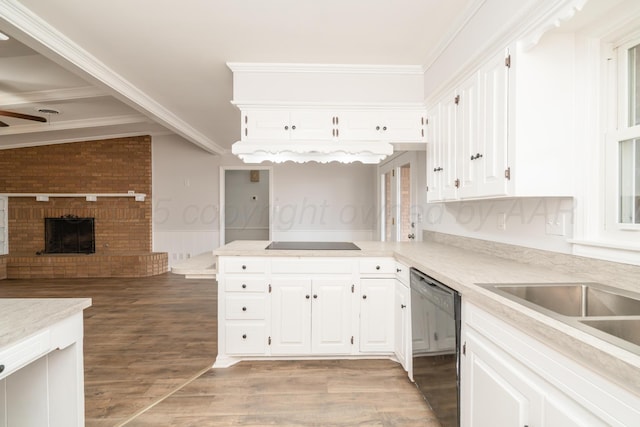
(507, 129)
(285, 125)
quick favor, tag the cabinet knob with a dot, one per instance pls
(293, 127)
(244, 267)
(384, 128)
(315, 296)
(244, 286)
(473, 157)
(478, 155)
(286, 128)
(398, 270)
(364, 297)
(244, 336)
(403, 306)
(1, 368)
(377, 267)
(307, 296)
(377, 127)
(244, 308)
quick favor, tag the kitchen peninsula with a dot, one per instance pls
(261, 317)
(41, 362)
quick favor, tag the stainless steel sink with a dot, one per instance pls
(625, 329)
(609, 313)
(578, 300)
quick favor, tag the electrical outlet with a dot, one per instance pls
(556, 225)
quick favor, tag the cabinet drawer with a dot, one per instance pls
(25, 352)
(245, 284)
(244, 307)
(378, 266)
(245, 265)
(402, 273)
(245, 337)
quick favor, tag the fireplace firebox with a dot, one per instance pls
(69, 235)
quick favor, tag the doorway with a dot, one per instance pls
(397, 198)
(245, 201)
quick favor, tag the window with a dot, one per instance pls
(628, 135)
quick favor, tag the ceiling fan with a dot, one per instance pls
(19, 116)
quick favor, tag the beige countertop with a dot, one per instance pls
(22, 317)
(463, 269)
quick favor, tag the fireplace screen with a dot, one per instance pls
(69, 235)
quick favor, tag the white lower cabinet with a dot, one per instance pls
(511, 379)
(377, 315)
(284, 307)
(311, 316)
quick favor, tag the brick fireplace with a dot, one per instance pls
(123, 226)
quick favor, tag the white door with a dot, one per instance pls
(448, 136)
(403, 126)
(469, 156)
(4, 226)
(397, 199)
(331, 316)
(377, 315)
(434, 155)
(290, 316)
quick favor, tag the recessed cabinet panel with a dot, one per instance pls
(265, 125)
(312, 125)
(331, 325)
(377, 315)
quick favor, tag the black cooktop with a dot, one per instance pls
(306, 246)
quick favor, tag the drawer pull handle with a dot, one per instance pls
(244, 267)
(244, 308)
(377, 267)
(244, 336)
(1, 368)
(244, 286)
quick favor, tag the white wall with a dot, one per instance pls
(311, 201)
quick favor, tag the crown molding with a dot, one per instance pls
(256, 67)
(67, 53)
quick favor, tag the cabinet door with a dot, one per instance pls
(493, 126)
(359, 126)
(401, 323)
(434, 155)
(448, 137)
(266, 125)
(290, 316)
(403, 126)
(469, 155)
(377, 315)
(491, 394)
(331, 328)
(311, 125)
(3, 226)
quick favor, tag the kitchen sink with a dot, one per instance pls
(625, 329)
(609, 313)
(575, 299)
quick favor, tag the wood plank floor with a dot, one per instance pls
(149, 344)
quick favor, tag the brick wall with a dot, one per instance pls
(120, 165)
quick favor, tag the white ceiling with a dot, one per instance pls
(151, 66)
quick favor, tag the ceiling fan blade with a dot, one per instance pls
(22, 116)
(3, 124)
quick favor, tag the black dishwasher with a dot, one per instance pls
(435, 326)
